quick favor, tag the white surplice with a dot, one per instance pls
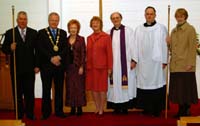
(116, 93)
(152, 53)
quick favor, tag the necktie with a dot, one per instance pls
(54, 33)
(23, 34)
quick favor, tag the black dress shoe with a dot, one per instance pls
(31, 117)
(124, 111)
(73, 111)
(156, 114)
(177, 116)
(116, 111)
(61, 115)
(79, 111)
(44, 117)
(20, 117)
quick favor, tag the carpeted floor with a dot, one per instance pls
(134, 118)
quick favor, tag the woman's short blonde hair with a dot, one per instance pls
(74, 21)
(96, 18)
(181, 11)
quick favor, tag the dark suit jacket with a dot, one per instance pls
(25, 51)
(79, 51)
(46, 52)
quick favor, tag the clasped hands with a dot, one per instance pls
(56, 60)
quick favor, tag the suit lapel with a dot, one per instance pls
(18, 36)
(27, 34)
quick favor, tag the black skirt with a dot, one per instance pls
(183, 88)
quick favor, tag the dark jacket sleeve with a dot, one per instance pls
(35, 46)
(83, 52)
(41, 45)
(7, 42)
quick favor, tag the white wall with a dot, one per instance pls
(37, 12)
(83, 10)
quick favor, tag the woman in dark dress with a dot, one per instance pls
(75, 72)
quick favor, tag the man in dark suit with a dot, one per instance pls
(24, 47)
(52, 53)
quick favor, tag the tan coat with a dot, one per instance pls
(183, 48)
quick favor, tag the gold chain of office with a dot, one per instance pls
(55, 46)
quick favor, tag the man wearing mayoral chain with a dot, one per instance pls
(52, 53)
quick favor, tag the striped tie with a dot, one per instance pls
(23, 34)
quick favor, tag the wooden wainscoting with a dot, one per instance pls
(185, 120)
(11, 123)
(6, 98)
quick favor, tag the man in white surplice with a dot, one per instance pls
(152, 59)
(122, 87)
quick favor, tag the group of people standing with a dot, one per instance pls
(126, 68)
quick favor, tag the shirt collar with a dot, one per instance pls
(52, 29)
(22, 29)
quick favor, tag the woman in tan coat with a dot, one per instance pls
(182, 43)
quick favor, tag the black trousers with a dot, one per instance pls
(47, 76)
(25, 93)
(151, 100)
